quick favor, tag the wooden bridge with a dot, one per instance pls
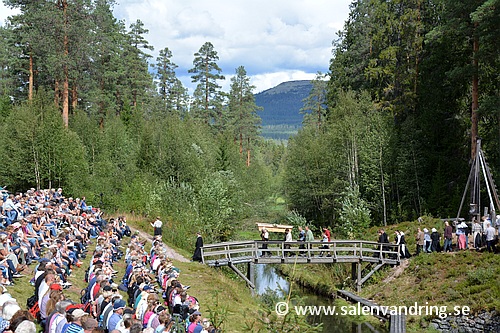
(355, 252)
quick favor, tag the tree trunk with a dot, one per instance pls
(30, 84)
(65, 92)
(241, 143)
(56, 94)
(382, 180)
(475, 95)
(248, 153)
(37, 166)
(74, 98)
(65, 99)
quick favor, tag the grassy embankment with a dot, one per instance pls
(211, 285)
(464, 278)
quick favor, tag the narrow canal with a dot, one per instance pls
(267, 277)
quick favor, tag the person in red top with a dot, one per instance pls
(327, 233)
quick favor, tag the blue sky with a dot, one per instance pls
(275, 40)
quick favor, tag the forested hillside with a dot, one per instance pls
(412, 85)
(281, 104)
(387, 132)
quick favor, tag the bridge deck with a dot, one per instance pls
(279, 252)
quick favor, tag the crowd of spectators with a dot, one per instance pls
(54, 234)
(455, 237)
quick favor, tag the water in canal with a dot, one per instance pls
(266, 277)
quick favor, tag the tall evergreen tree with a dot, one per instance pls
(137, 79)
(314, 108)
(243, 111)
(170, 87)
(208, 98)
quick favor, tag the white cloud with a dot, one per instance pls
(276, 40)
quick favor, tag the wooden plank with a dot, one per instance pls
(367, 276)
(274, 227)
(237, 271)
(377, 312)
(397, 323)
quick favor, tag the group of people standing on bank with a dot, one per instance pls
(484, 235)
(305, 235)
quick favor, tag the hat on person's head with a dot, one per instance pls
(434, 230)
(3, 235)
(56, 286)
(196, 313)
(78, 313)
(147, 288)
(16, 225)
(119, 304)
(89, 324)
(426, 230)
(462, 225)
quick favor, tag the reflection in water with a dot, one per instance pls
(266, 277)
(336, 324)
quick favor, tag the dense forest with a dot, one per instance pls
(412, 85)
(386, 135)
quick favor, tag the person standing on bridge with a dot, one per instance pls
(327, 233)
(198, 246)
(157, 226)
(383, 239)
(264, 235)
(288, 239)
(309, 237)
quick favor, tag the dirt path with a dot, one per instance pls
(397, 271)
(171, 253)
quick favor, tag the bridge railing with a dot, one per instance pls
(245, 251)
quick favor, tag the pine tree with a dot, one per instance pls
(170, 87)
(314, 108)
(243, 110)
(208, 98)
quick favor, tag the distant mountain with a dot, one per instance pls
(282, 103)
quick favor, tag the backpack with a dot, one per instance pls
(35, 311)
(84, 295)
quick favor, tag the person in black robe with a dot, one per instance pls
(382, 239)
(435, 241)
(400, 240)
(198, 246)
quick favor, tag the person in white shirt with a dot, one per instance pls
(490, 238)
(157, 226)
